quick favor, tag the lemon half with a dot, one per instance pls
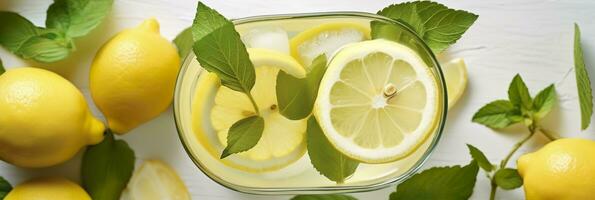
(378, 101)
(155, 180)
(455, 75)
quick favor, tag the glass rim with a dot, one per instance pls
(319, 189)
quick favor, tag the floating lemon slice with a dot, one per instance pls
(378, 101)
(282, 141)
(326, 38)
(155, 180)
(455, 75)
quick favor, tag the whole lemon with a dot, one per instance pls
(562, 170)
(133, 76)
(48, 188)
(44, 119)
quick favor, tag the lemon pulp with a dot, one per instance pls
(377, 101)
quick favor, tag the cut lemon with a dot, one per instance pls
(378, 101)
(155, 180)
(455, 75)
(282, 141)
(326, 38)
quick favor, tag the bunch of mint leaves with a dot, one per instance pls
(219, 49)
(66, 20)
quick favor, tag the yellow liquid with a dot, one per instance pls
(202, 143)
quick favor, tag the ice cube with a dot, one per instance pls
(269, 37)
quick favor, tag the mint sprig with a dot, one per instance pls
(325, 158)
(438, 25)
(296, 96)
(520, 107)
(5, 187)
(66, 20)
(219, 49)
(583, 83)
(107, 167)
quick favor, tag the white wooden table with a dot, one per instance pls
(530, 37)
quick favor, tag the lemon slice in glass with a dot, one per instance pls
(282, 141)
(155, 180)
(325, 38)
(455, 75)
(378, 101)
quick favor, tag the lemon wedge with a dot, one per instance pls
(282, 141)
(326, 38)
(377, 102)
(455, 75)
(155, 180)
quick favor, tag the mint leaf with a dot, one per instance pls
(438, 25)
(221, 50)
(243, 135)
(508, 179)
(184, 42)
(296, 96)
(207, 21)
(444, 183)
(106, 168)
(2, 70)
(497, 114)
(583, 83)
(76, 18)
(544, 102)
(24, 39)
(323, 197)
(5, 187)
(480, 158)
(518, 93)
(325, 158)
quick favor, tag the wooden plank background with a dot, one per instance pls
(530, 37)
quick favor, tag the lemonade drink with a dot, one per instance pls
(404, 85)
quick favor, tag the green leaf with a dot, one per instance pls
(296, 96)
(323, 197)
(243, 135)
(24, 39)
(206, 21)
(583, 83)
(325, 158)
(2, 70)
(219, 49)
(444, 183)
(106, 168)
(518, 93)
(438, 25)
(184, 42)
(508, 179)
(544, 102)
(5, 187)
(497, 114)
(77, 18)
(480, 158)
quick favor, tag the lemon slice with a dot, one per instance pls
(378, 101)
(155, 180)
(455, 75)
(283, 140)
(326, 38)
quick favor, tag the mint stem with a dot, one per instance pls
(253, 103)
(548, 134)
(493, 190)
(517, 146)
